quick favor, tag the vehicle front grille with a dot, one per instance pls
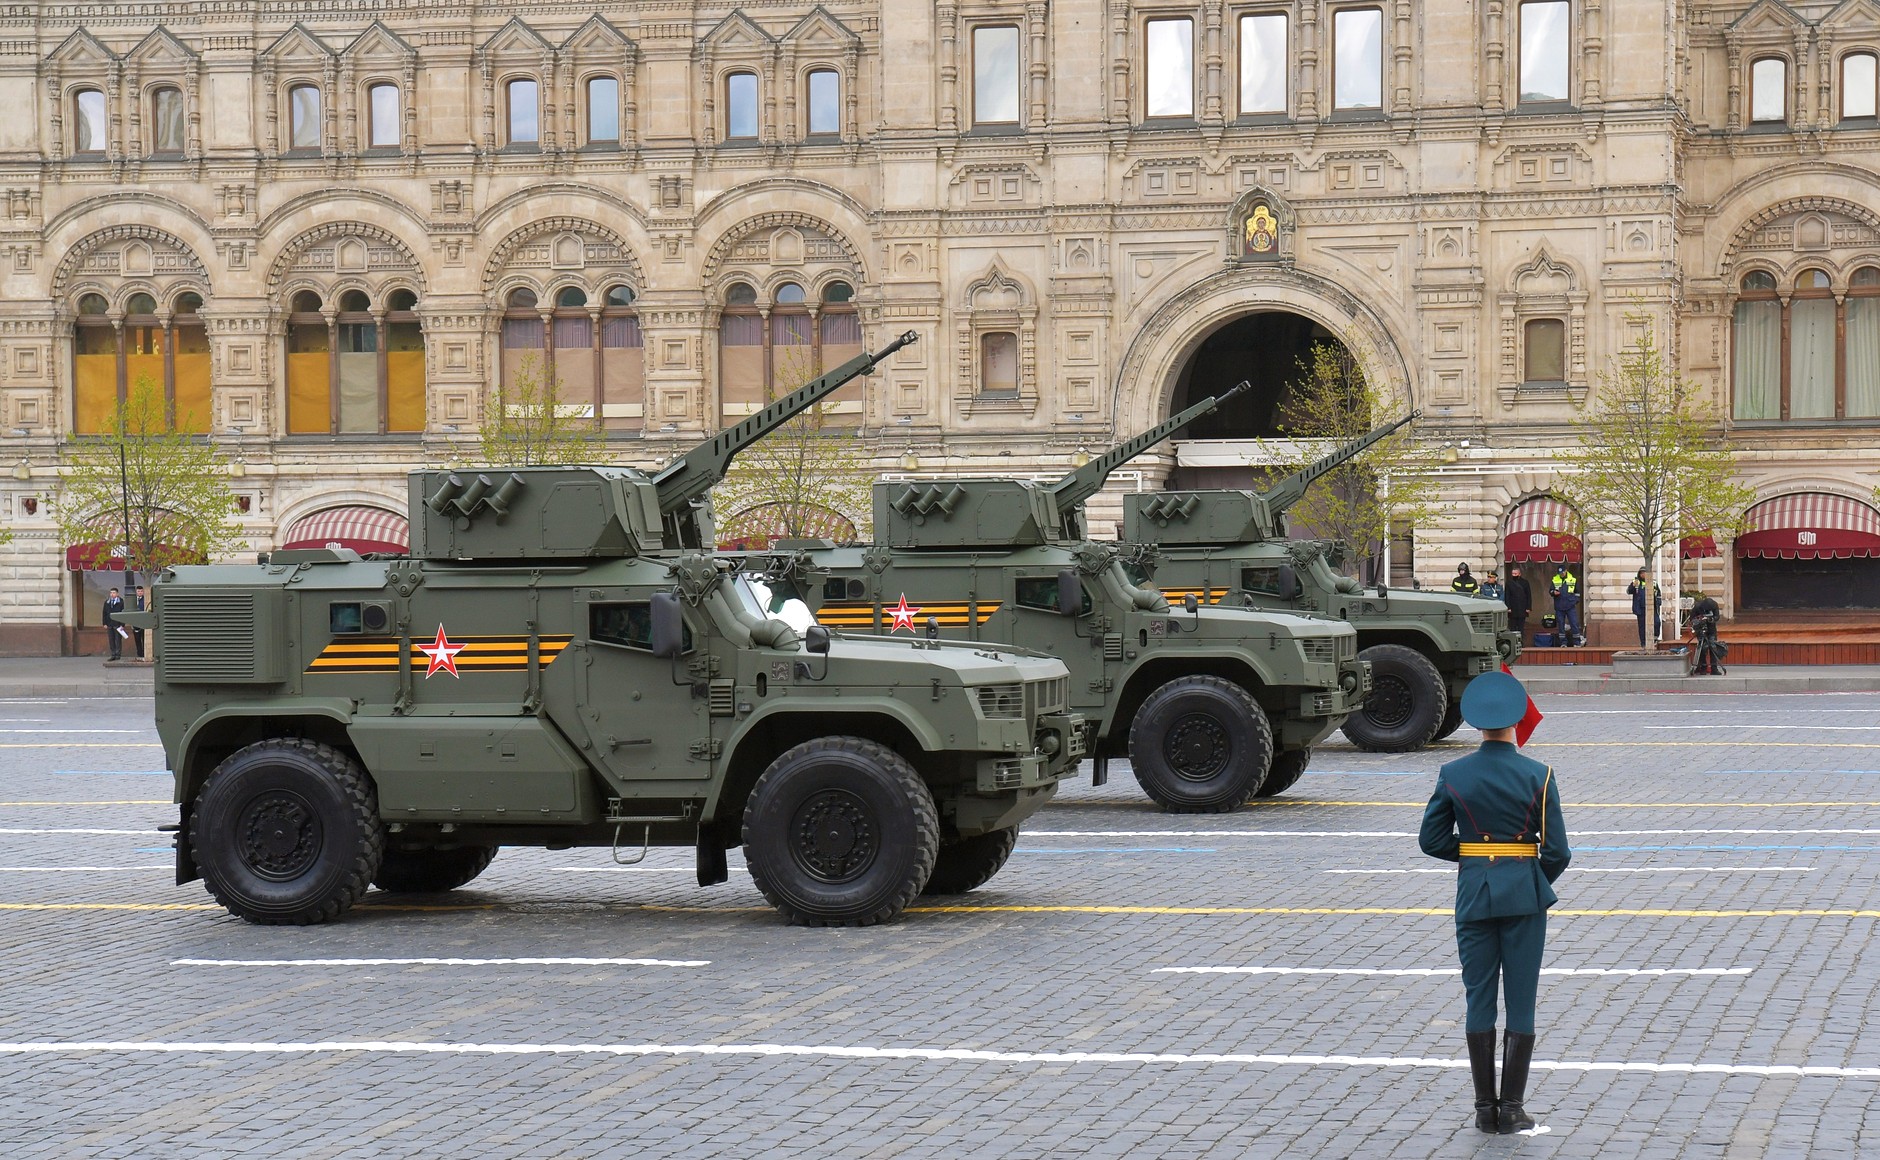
(1008, 774)
(1348, 647)
(1323, 704)
(1487, 623)
(209, 638)
(1050, 696)
(1002, 702)
(1320, 649)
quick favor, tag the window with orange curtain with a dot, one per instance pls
(309, 368)
(404, 364)
(623, 363)
(573, 333)
(94, 366)
(840, 331)
(740, 353)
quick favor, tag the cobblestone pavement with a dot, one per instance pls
(1724, 845)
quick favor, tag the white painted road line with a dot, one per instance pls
(145, 732)
(926, 1054)
(1613, 870)
(38, 830)
(626, 869)
(440, 962)
(1430, 971)
(77, 869)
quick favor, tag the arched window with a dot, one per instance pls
(825, 103)
(1811, 347)
(524, 101)
(109, 356)
(741, 106)
(623, 363)
(168, 131)
(524, 341)
(839, 328)
(90, 125)
(1769, 90)
(386, 129)
(603, 111)
(743, 350)
(792, 340)
(1860, 86)
(359, 371)
(1757, 351)
(1863, 343)
(575, 352)
(303, 118)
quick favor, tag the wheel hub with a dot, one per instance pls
(834, 836)
(280, 835)
(1390, 703)
(1197, 747)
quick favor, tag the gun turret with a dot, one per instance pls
(1291, 489)
(1088, 480)
(686, 479)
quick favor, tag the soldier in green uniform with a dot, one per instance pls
(1497, 814)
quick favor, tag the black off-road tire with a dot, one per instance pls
(1452, 719)
(1200, 745)
(840, 832)
(1288, 766)
(1407, 701)
(970, 862)
(287, 832)
(431, 871)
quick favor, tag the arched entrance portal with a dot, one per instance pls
(1269, 348)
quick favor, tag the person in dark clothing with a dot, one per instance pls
(114, 604)
(1463, 583)
(1492, 589)
(1707, 652)
(139, 602)
(1566, 594)
(1636, 590)
(1520, 601)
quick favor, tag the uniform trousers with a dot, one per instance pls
(1569, 617)
(1507, 950)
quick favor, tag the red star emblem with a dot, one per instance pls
(443, 655)
(903, 616)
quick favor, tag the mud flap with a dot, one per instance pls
(711, 860)
(186, 871)
(1099, 771)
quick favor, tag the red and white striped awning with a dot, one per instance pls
(1536, 532)
(363, 529)
(1811, 525)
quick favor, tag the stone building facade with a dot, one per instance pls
(330, 231)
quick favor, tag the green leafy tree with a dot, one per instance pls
(161, 493)
(528, 425)
(809, 478)
(1649, 464)
(1336, 399)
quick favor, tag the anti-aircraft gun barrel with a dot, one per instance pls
(1291, 489)
(1088, 480)
(690, 476)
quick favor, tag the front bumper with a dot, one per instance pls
(1354, 685)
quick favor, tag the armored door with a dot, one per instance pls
(1038, 623)
(644, 719)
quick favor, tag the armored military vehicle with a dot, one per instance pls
(1423, 647)
(1204, 701)
(556, 665)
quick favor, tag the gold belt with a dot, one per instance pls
(1500, 850)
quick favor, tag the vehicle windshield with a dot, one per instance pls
(764, 602)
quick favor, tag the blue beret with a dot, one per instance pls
(1494, 701)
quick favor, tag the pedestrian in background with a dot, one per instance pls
(1566, 593)
(139, 602)
(1491, 588)
(1497, 815)
(114, 604)
(1637, 590)
(1463, 583)
(1519, 599)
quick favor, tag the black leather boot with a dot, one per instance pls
(1517, 1051)
(1482, 1067)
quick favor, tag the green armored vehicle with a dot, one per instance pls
(1211, 705)
(1423, 647)
(552, 666)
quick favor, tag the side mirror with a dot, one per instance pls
(816, 639)
(1289, 586)
(1189, 603)
(1070, 594)
(668, 626)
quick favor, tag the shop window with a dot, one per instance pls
(524, 104)
(1769, 90)
(173, 354)
(357, 372)
(1544, 351)
(1357, 59)
(1811, 347)
(1169, 46)
(1263, 58)
(386, 129)
(167, 124)
(603, 111)
(90, 126)
(1545, 44)
(303, 118)
(825, 103)
(995, 75)
(1757, 350)
(741, 107)
(1860, 86)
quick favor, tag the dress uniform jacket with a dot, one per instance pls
(1495, 795)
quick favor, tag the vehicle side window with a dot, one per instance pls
(1261, 580)
(834, 588)
(628, 624)
(1041, 592)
